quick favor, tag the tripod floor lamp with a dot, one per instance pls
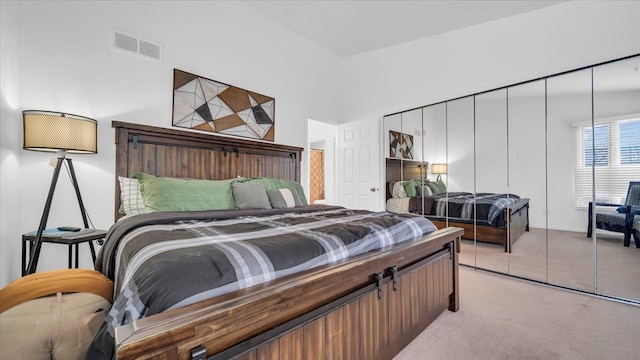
(62, 133)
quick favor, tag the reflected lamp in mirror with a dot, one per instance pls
(62, 133)
(439, 169)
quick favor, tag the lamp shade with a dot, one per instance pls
(439, 168)
(54, 131)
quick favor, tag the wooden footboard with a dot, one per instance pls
(516, 217)
(369, 307)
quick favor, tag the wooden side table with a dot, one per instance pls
(67, 238)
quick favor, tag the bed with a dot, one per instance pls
(495, 218)
(367, 305)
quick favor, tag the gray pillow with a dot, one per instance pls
(434, 188)
(283, 198)
(250, 196)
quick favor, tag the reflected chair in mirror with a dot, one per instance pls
(625, 219)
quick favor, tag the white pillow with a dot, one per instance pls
(398, 190)
(424, 190)
(131, 202)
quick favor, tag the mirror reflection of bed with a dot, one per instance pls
(487, 217)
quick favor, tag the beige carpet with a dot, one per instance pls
(505, 318)
(569, 263)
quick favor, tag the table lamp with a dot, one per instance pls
(62, 133)
(439, 169)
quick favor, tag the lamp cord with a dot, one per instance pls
(66, 166)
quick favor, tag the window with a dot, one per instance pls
(600, 145)
(630, 142)
(611, 149)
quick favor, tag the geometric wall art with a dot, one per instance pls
(400, 145)
(204, 104)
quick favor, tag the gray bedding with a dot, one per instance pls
(161, 261)
(484, 208)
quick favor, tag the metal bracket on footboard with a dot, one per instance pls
(199, 353)
(394, 277)
(379, 277)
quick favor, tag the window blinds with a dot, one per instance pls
(612, 151)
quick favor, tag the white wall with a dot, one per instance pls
(64, 63)
(9, 146)
(491, 55)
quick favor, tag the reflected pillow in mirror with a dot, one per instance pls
(438, 187)
(398, 190)
(634, 209)
(424, 190)
(410, 188)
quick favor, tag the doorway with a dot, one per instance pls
(316, 176)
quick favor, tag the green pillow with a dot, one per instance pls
(182, 194)
(410, 188)
(437, 187)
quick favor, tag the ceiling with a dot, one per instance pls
(352, 27)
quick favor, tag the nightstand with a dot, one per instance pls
(69, 238)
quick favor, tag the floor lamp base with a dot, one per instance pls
(37, 245)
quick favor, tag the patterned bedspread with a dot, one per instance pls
(161, 261)
(488, 208)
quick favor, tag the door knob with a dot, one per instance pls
(373, 189)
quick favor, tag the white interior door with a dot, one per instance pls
(359, 164)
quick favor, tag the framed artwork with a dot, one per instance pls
(400, 145)
(204, 104)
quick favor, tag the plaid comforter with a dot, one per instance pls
(163, 261)
(488, 208)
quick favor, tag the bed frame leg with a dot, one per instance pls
(454, 299)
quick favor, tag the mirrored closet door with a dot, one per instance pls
(571, 253)
(491, 179)
(616, 126)
(527, 176)
(541, 175)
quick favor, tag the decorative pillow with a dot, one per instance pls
(437, 187)
(410, 188)
(296, 189)
(390, 187)
(250, 195)
(423, 190)
(283, 198)
(131, 202)
(398, 190)
(275, 184)
(634, 209)
(181, 194)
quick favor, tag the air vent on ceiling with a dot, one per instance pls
(136, 46)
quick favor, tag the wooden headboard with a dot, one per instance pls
(178, 153)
